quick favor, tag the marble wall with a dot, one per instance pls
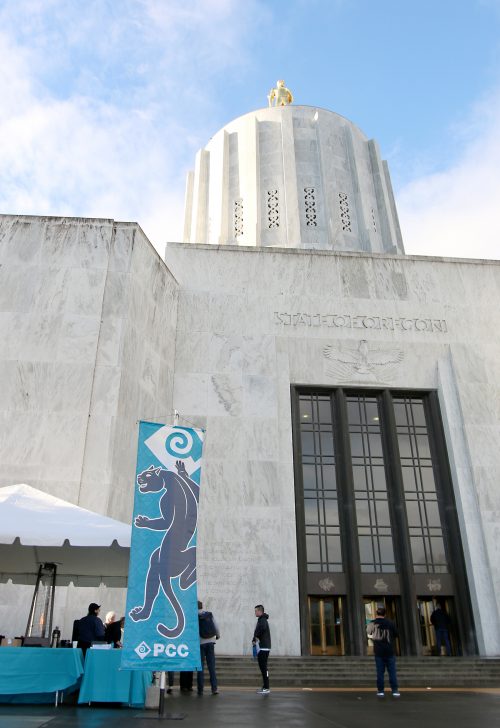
(87, 325)
(97, 333)
(250, 323)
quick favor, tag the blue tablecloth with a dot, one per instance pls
(38, 669)
(104, 682)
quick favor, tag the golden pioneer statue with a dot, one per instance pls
(281, 95)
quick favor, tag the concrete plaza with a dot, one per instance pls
(235, 708)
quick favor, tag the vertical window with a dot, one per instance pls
(310, 206)
(321, 511)
(422, 507)
(370, 487)
(273, 211)
(238, 217)
(345, 217)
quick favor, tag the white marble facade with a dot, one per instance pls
(293, 256)
(87, 332)
(98, 332)
(253, 322)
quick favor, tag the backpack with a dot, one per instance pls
(377, 633)
(206, 625)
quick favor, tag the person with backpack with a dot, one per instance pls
(382, 632)
(209, 632)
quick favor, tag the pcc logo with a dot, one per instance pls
(142, 650)
(168, 650)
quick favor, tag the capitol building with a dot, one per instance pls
(349, 392)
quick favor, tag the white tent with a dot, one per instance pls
(36, 528)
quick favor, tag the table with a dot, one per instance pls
(104, 682)
(38, 670)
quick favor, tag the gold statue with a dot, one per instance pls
(281, 95)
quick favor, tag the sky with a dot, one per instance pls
(104, 103)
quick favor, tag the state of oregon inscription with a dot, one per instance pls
(347, 321)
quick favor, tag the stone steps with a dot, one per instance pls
(359, 671)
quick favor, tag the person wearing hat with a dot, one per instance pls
(90, 628)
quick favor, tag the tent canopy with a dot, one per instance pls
(36, 528)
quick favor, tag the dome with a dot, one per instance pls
(292, 177)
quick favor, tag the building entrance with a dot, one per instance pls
(376, 520)
(325, 626)
(371, 604)
(425, 607)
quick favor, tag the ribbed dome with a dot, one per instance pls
(295, 177)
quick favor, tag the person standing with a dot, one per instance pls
(90, 628)
(383, 632)
(262, 641)
(209, 632)
(441, 622)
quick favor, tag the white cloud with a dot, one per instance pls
(104, 104)
(456, 212)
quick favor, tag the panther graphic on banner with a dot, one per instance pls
(174, 558)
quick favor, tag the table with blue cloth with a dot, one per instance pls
(37, 674)
(104, 682)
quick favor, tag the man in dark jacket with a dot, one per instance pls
(441, 623)
(262, 641)
(90, 628)
(383, 632)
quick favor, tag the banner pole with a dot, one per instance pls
(161, 706)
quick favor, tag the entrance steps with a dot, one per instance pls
(347, 672)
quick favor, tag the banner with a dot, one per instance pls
(161, 621)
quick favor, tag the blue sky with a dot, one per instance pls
(105, 102)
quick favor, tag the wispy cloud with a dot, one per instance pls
(104, 104)
(456, 212)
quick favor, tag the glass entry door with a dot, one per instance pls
(425, 606)
(371, 604)
(325, 626)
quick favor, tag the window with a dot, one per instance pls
(321, 512)
(421, 500)
(310, 206)
(353, 421)
(370, 488)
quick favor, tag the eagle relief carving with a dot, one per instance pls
(367, 362)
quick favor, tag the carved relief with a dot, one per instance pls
(326, 584)
(434, 585)
(366, 362)
(380, 586)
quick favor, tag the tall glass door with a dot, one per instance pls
(325, 626)
(425, 607)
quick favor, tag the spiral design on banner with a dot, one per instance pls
(179, 443)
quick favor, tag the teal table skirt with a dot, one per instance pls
(28, 670)
(104, 682)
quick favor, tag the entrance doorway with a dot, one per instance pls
(371, 604)
(425, 607)
(326, 634)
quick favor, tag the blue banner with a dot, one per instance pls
(161, 622)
